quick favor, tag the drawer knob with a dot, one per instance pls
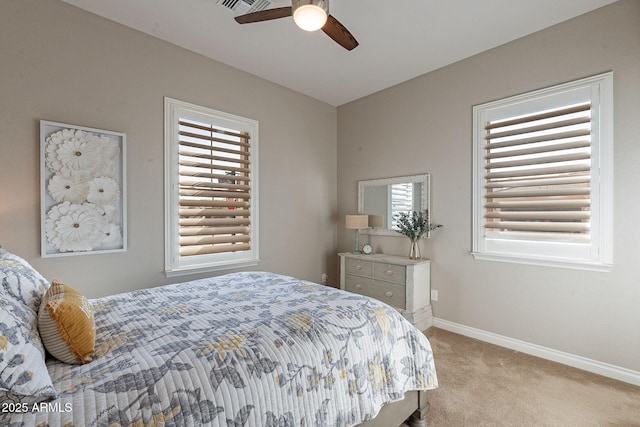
(388, 294)
(358, 287)
(389, 272)
(358, 267)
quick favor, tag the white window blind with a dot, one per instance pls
(211, 203)
(214, 189)
(401, 201)
(538, 174)
(543, 176)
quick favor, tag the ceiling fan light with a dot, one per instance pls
(311, 16)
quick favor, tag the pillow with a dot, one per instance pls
(23, 373)
(66, 324)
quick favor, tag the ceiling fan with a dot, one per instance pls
(310, 15)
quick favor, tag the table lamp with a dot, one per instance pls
(357, 222)
(376, 221)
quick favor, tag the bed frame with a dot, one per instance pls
(412, 409)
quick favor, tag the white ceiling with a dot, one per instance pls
(399, 39)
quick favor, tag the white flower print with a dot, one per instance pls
(109, 147)
(111, 213)
(73, 227)
(64, 189)
(112, 236)
(103, 191)
(53, 143)
(79, 158)
(106, 168)
(108, 151)
(83, 179)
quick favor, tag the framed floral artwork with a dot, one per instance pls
(83, 200)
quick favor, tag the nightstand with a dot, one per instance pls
(402, 283)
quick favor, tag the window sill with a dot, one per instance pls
(210, 268)
(546, 262)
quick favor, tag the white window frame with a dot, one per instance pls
(175, 265)
(597, 254)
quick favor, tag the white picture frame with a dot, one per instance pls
(82, 189)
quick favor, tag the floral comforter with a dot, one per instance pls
(244, 349)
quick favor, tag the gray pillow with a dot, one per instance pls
(23, 374)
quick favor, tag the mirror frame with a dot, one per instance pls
(425, 179)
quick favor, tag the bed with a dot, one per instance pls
(243, 349)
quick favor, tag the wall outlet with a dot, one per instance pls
(434, 295)
(324, 278)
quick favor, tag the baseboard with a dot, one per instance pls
(600, 368)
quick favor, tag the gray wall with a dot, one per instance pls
(424, 125)
(62, 64)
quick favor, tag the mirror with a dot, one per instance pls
(389, 196)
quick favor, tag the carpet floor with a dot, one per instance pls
(486, 385)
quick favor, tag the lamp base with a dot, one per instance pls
(357, 250)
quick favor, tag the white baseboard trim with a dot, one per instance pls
(590, 365)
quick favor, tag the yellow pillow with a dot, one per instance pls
(66, 324)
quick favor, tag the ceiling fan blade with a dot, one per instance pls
(334, 29)
(264, 15)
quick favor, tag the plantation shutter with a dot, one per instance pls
(214, 189)
(538, 174)
(401, 200)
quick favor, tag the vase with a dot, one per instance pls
(414, 252)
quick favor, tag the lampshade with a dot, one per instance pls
(310, 15)
(356, 222)
(375, 221)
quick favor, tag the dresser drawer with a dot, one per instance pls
(402, 283)
(390, 272)
(360, 267)
(389, 293)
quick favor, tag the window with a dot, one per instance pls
(210, 189)
(401, 201)
(543, 176)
